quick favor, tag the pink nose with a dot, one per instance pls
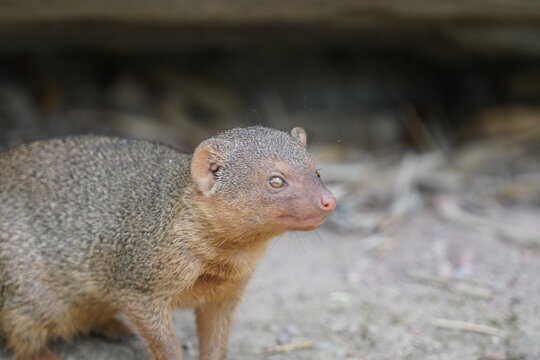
(328, 203)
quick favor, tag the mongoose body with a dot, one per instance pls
(95, 225)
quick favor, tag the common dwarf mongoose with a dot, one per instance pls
(94, 225)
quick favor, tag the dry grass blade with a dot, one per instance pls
(290, 347)
(468, 326)
(456, 285)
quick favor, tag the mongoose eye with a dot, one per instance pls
(317, 173)
(277, 182)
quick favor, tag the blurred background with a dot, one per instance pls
(424, 117)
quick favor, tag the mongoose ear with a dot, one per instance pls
(299, 134)
(208, 158)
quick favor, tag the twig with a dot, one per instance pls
(290, 347)
(456, 285)
(467, 326)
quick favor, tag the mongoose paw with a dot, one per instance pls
(112, 329)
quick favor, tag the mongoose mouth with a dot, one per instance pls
(295, 223)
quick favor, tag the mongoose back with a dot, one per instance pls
(91, 226)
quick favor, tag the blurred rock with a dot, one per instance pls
(128, 94)
(18, 116)
(518, 122)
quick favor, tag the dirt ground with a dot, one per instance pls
(380, 297)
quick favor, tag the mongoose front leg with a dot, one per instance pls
(213, 323)
(153, 324)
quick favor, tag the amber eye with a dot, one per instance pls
(317, 173)
(277, 182)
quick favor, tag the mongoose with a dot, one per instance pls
(91, 226)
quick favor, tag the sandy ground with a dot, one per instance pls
(375, 298)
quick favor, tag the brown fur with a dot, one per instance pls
(92, 226)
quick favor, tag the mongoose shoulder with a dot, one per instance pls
(94, 225)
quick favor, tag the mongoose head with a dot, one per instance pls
(261, 179)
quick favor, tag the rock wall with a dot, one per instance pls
(441, 27)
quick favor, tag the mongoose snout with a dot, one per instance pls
(91, 226)
(328, 202)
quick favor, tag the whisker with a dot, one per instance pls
(274, 243)
(301, 244)
(316, 232)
